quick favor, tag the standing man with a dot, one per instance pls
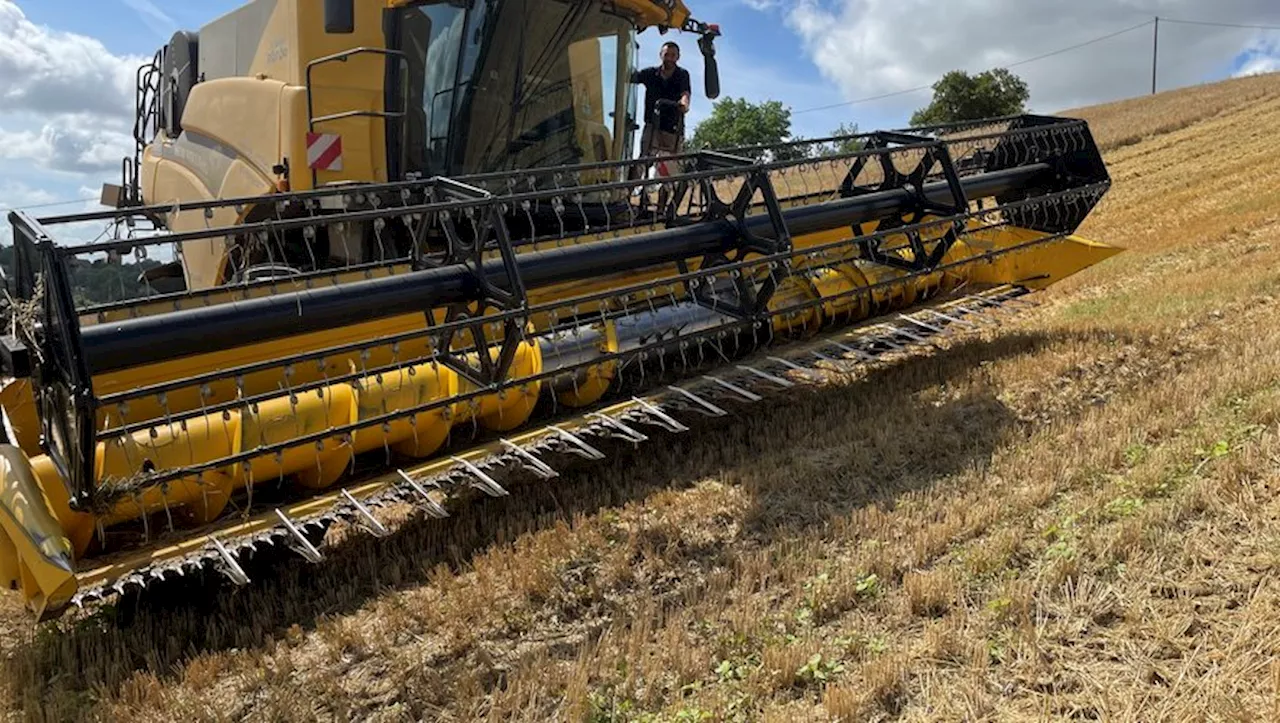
(666, 100)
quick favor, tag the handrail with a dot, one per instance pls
(343, 57)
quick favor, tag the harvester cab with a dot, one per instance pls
(397, 254)
(380, 92)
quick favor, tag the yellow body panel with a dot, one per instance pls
(341, 86)
(35, 554)
(231, 111)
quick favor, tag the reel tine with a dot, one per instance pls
(483, 481)
(373, 524)
(303, 546)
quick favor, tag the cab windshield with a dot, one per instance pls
(502, 84)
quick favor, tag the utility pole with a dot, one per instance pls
(1155, 47)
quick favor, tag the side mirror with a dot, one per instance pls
(711, 74)
(339, 16)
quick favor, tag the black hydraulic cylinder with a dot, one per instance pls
(148, 340)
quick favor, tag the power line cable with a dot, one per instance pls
(1219, 25)
(1050, 54)
(1024, 61)
(48, 204)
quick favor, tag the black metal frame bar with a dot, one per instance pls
(934, 154)
(61, 383)
(488, 227)
(749, 302)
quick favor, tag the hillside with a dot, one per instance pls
(1073, 515)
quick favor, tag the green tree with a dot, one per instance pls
(846, 145)
(739, 122)
(94, 282)
(958, 96)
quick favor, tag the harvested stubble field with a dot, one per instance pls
(1074, 515)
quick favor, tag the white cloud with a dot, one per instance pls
(14, 195)
(871, 47)
(68, 144)
(66, 114)
(1261, 57)
(46, 72)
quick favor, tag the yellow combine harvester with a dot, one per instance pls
(401, 239)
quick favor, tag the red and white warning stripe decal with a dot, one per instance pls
(324, 151)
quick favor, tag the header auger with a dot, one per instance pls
(359, 339)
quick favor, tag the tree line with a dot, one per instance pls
(94, 282)
(957, 96)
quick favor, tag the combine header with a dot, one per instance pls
(317, 350)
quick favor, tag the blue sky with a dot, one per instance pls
(66, 65)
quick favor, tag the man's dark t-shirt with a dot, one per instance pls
(667, 119)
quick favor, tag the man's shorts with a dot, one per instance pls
(654, 141)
